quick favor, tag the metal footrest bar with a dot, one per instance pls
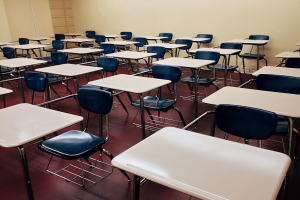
(230, 82)
(85, 175)
(200, 96)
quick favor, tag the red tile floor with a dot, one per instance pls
(123, 135)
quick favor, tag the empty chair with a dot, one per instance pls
(37, 82)
(107, 48)
(292, 63)
(253, 56)
(188, 44)
(203, 81)
(59, 36)
(283, 84)
(23, 41)
(157, 103)
(168, 36)
(209, 36)
(8, 52)
(90, 35)
(160, 52)
(99, 39)
(244, 122)
(80, 145)
(142, 42)
(231, 68)
(126, 35)
(56, 45)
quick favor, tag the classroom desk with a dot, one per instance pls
(205, 167)
(33, 123)
(17, 63)
(4, 91)
(131, 55)
(194, 39)
(113, 36)
(286, 55)
(120, 43)
(134, 84)
(83, 52)
(194, 64)
(271, 101)
(224, 53)
(4, 44)
(73, 35)
(38, 40)
(78, 41)
(283, 71)
(257, 43)
(154, 38)
(29, 47)
(168, 46)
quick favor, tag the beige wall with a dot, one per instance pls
(225, 19)
(4, 33)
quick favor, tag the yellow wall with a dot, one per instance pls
(225, 19)
(4, 33)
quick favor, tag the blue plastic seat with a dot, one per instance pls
(90, 35)
(253, 56)
(282, 84)
(127, 35)
(8, 52)
(35, 81)
(59, 36)
(292, 63)
(206, 82)
(188, 44)
(245, 122)
(23, 41)
(107, 48)
(56, 45)
(168, 35)
(142, 42)
(99, 39)
(157, 103)
(209, 36)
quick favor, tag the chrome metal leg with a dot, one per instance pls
(289, 137)
(196, 95)
(78, 106)
(26, 172)
(142, 116)
(136, 187)
(257, 57)
(226, 72)
(21, 86)
(1, 84)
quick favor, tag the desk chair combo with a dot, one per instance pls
(157, 103)
(23, 41)
(209, 36)
(90, 35)
(59, 37)
(80, 145)
(188, 44)
(56, 45)
(126, 36)
(253, 56)
(292, 63)
(168, 39)
(142, 42)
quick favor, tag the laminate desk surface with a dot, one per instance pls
(288, 55)
(129, 83)
(20, 62)
(81, 50)
(4, 91)
(206, 167)
(153, 37)
(69, 69)
(184, 62)
(79, 40)
(28, 46)
(113, 36)
(4, 43)
(221, 51)
(271, 101)
(294, 72)
(193, 39)
(120, 42)
(246, 41)
(24, 123)
(167, 45)
(130, 55)
(38, 39)
(73, 34)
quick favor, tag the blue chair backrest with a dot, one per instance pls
(35, 81)
(128, 35)
(187, 42)
(59, 58)
(59, 36)
(208, 55)
(90, 34)
(108, 64)
(99, 39)
(95, 100)
(23, 41)
(210, 36)
(8, 52)
(57, 44)
(107, 48)
(228, 45)
(167, 72)
(245, 122)
(292, 63)
(278, 83)
(160, 51)
(142, 41)
(168, 35)
(259, 37)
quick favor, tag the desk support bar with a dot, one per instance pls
(197, 119)
(246, 83)
(56, 100)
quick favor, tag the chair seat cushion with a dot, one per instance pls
(48, 59)
(222, 67)
(50, 50)
(282, 126)
(4, 70)
(200, 80)
(155, 103)
(72, 144)
(52, 78)
(252, 55)
(93, 64)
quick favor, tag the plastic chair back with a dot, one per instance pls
(23, 41)
(278, 83)
(90, 34)
(168, 35)
(245, 122)
(35, 81)
(167, 72)
(209, 36)
(160, 51)
(95, 100)
(208, 55)
(107, 48)
(292, 63)
(128, 35)
(57, 44)
(108, 64)
(59, 58)
(59, 36)
(228, 45)
(259, 37)
(8, 52)
(142, 41)
(187, 42)
(99, 39)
